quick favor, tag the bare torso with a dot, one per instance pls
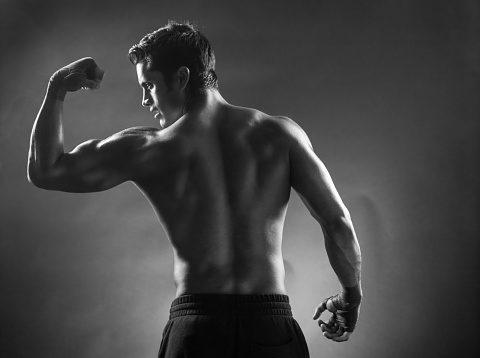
(224, 198)
(219, 178)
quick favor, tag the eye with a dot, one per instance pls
(147, 85)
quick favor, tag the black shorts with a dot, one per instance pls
(228, 326)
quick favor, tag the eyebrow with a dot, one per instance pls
(142, 80)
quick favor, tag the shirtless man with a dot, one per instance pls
(219, 178)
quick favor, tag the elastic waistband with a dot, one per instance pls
(218, 304)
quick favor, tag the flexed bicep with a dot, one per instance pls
(95, 165)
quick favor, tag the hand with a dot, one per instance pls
(83, 73)
(345, 308)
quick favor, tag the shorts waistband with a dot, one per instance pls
(220, 304)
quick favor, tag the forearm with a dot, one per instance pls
(343, 251)
(46, 141)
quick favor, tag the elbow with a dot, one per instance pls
(34, 179)
(32, 175)
(37, 178)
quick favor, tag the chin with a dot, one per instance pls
(164, 123)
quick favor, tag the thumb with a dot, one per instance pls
(331, 306)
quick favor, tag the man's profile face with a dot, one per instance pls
(165, 102)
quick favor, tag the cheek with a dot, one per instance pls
(155, 96)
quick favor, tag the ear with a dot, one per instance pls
(183, 74)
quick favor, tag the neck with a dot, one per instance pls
(206, 99)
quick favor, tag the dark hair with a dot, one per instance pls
(176, 45)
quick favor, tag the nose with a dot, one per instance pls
(146, 99)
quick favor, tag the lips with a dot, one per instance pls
(155, 111)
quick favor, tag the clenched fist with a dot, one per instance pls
(83, 73)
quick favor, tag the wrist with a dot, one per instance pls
(352, 294)
(56, 90)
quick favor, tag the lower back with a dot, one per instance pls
(248, 277)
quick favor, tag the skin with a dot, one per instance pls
(219, 177)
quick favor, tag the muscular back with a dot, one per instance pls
(220, 184)
(219, 178)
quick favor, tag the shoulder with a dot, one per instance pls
(283, 127)
(130, 138)
(136, 132)
(291, 128)
(157, 145)
(279, 125)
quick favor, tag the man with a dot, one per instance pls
(219, 177)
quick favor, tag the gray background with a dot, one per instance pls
(388, 92)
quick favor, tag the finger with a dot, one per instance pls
(332, 321)
(318, 311)
(337, 330)
(330, 335)
(329, 324)
(333, 329)
(91, 85)
(343, 338)
(337, 334)
(325, 328)
(320, 322)
(322, 307)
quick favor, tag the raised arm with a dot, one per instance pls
(92, 166)
(311, 180)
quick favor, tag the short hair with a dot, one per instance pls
(175, 45)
